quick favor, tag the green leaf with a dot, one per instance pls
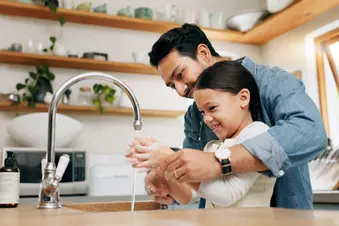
(20, 86)
(45, 67)
(108, 90)
(51, 47)
(96, 101)
(26, 81)
(27, 97)
(52, 39)
(52, 6)
(33, 75)
(109, 98)
(50, 76)
(40, 69)
(62, 20)
(98, 88)
(32, 89)
(97, 104)
(45, 50)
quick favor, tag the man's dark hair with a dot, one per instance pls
(231, 76)
(184, 39)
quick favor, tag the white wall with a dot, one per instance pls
(291, 52)
(296, 50)
(106, 134)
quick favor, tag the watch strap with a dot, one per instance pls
(226, 166)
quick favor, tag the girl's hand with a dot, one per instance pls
(147, 152)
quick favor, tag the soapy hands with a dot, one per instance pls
(164, 165)
(186, 165)
(149, 154)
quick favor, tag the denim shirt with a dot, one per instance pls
(296, 135)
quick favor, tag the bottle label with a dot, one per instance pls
(9, 187)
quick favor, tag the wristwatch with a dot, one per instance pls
(223, 155)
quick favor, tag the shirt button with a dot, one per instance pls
(281, 173)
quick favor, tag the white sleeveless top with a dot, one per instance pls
(238, 189)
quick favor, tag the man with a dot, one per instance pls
(296, 135)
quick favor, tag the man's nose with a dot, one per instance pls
(181, 89)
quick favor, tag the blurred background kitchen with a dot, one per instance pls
(40, 50)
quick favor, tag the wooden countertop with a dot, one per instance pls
(30, 216)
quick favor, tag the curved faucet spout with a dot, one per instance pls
(49, 194)
(85, 76)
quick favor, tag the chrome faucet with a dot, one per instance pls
(51, 176)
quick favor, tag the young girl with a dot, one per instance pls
(228, 98)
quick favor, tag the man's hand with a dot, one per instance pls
(188, 165)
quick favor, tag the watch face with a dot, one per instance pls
(223, 153)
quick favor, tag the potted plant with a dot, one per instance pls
(35, 87)
(103, 93)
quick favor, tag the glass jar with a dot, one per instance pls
(85, 96)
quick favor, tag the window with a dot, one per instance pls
(328, 80)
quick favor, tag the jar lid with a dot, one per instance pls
(85, 89)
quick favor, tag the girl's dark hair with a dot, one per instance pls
(232, 77)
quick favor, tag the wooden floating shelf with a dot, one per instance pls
(101, 19)
(290, 18)
(87, 110)
(295, 15)
(75, 63)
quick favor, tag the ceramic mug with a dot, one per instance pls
(125, 12)
(204, 18)
(84, 7)
(16, 47)
(144, 13)
(101, 8)
(189, 16)
(68, 4)
(217, 20)
(171, 12)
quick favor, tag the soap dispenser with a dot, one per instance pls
(9, 182)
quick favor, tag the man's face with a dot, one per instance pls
(181, 72)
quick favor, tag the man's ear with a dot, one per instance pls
(244, 97)
(203, 54)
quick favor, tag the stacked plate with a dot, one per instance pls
(324, 170)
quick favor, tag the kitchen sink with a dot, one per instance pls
(115, 206)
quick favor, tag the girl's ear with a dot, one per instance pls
(244, 97)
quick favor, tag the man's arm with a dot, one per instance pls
(297, 135)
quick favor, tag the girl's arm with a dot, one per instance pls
(181, 192)
(227, 190)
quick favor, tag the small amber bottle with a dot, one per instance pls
(9, 183)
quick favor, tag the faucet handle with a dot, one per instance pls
(43, 165)
(62, 165)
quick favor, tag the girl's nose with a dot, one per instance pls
(208, 118)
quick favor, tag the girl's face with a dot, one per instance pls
(224, 112)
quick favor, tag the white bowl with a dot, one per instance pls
(274, 6)
(245, 21)
(31, 130)
(139, 57)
